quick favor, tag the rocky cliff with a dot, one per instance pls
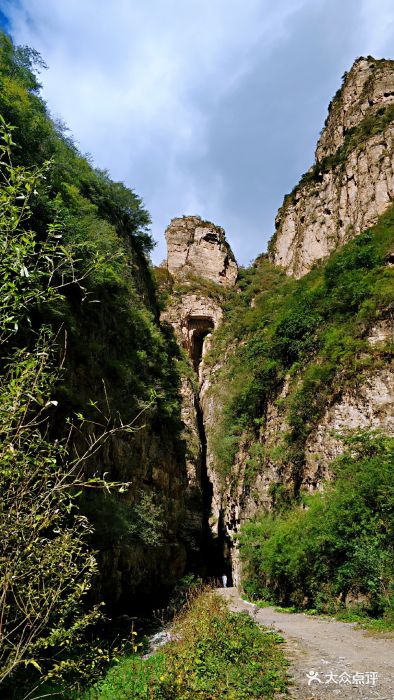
(352, 181)
(297, 430)
(283, 370)
(200, 248)
(300, 428)
(202, 268)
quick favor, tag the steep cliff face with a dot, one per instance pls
(141, 537)
(139, 533)
(285, 369)
(367, 87)
(291, 356)
(351, 183)
(271, 463)
(369, 406)
(194, 317)
(200, 248)
(198, 253)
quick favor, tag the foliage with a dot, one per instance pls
(339, 544)
(119, 521)
(132, 677)
(310, 332)
(354, 138)
(164, 284)
(112, 320)
(53, 279)
(46, 567)
(194, 284)
(185, 589)
(216, 654)
(40, 139)
(120, 366)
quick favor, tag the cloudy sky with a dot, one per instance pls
(209, 107)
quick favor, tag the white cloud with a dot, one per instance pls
(145, 85)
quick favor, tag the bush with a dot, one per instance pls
(46, 566)
(310, 331)
(216, 654)
(338, 544)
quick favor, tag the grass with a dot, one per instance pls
(352, 615)
(132, 677)
(215, 654)
(381, 624)
(312, 333)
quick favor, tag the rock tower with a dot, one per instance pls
(199, 253)
(197, 247)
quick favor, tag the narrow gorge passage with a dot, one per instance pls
(215, 551)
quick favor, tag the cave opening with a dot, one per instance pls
(215, 559)
(198, 328)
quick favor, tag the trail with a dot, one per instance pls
(327, 646)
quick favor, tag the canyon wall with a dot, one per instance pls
(352, 181)
(350, 186)
(202, 268)
(262, 482)
(345, 192)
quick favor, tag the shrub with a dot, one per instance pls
(311, 331)
(215, 654)
(46, 567)
(339, 542)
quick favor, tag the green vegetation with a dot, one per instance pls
(337, 548)
(356, 137)
(111, 320)
(46, 566)
(215, 655)
(312, 333)
(82, 357)
(168, 287)
(117, 356)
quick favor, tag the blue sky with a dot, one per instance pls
(209, 107)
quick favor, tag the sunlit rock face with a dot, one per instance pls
(352, 181)
(197, 247)
(368, 406)
(367, 87)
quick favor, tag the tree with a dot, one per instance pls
(46, 566)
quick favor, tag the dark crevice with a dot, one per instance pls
(215, 550)
(215, 559)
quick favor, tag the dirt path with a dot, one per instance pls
(325, 647)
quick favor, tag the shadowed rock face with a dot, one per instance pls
(197, 247)
(198, 251)
(352, 181)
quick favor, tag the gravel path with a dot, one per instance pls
(344, 659)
